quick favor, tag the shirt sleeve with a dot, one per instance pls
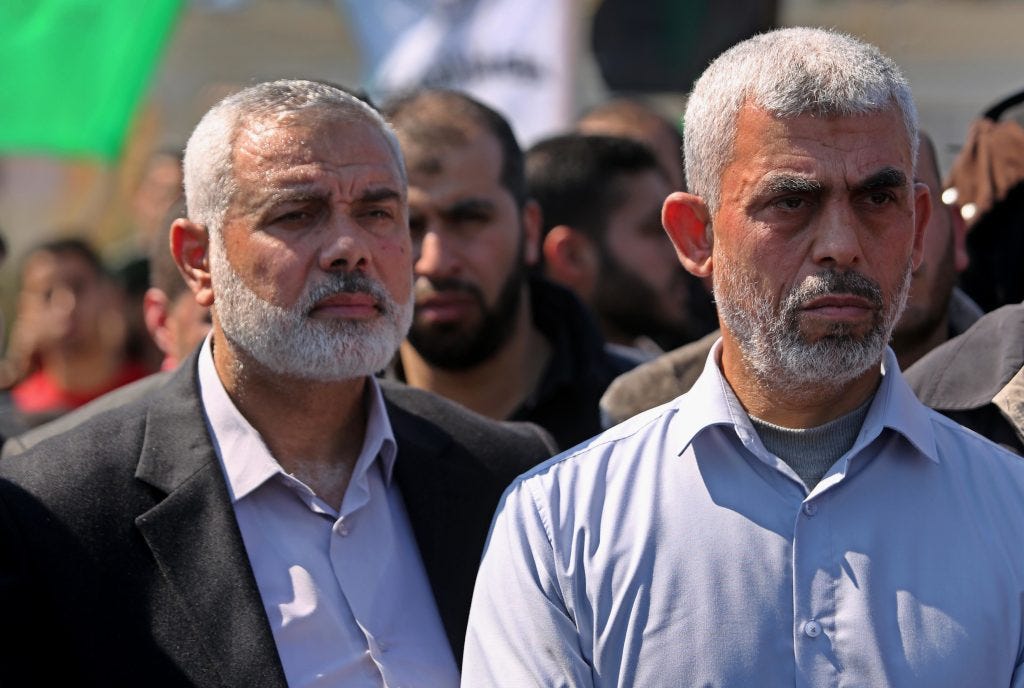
(520, 630)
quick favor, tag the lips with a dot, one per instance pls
(444, 306)
(838, 306)
(347, 305)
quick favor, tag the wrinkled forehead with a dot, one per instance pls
(858, 144)
(310, 137)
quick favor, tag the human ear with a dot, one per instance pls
(687, 222)
(190, 244)
(154, 313)
(531, 222)
(570, 259)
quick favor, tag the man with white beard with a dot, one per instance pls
(271, 515)
(797, 518)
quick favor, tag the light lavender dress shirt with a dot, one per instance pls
(347, 596)
(675, 550)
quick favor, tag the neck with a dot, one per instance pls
(807, 406)
(496, 387)
(314, 429)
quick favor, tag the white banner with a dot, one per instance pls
(514, 55)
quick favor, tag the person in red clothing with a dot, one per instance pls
(69, 331)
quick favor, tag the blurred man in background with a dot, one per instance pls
(175, 321)
(600, 199)
(485, 332)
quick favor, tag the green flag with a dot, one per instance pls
(72, 72)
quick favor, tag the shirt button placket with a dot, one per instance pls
(813, 577)
(812, 629)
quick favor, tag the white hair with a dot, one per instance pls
(787, 73)
(209, 176)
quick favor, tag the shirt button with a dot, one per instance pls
(342, 529)
(812, 629)
(810, 508)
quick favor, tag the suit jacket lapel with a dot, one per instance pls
(195, 540)
(438, 482)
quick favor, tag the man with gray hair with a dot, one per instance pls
(797, 518)
(271, 515)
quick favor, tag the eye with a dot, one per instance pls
(791, 203)
(881, 197)
(380, 213)
(293, 216)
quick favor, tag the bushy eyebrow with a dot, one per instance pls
(469, 206)
(887, 178)
(376, 195)
(781, 183)
(788, 183)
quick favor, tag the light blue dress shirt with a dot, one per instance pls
(347, 596)
(675, 550)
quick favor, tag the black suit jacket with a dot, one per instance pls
(121, 558)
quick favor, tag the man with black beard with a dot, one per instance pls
(485, 332)
(798, 518)
(271, 515)
(600, 197)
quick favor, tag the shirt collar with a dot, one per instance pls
(247, 461)
(712, 402)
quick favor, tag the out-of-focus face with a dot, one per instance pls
(814, 242)
(471, 251)
(187, 325)
(641, 289)
(944, 258)
(312, 276)
(62, 300)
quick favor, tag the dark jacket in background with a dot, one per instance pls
(977, 378)
(566, 403)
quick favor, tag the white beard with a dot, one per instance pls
(771, 341)
(289, 342)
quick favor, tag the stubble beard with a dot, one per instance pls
(774, 347)
(288, 342)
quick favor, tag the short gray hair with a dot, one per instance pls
(787, 73)
(209, 177)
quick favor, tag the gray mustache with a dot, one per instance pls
(348, 284)
(830, 282)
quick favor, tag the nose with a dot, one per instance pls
(63, 299)
(837, 239)
(437, 256)
(346, 248)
